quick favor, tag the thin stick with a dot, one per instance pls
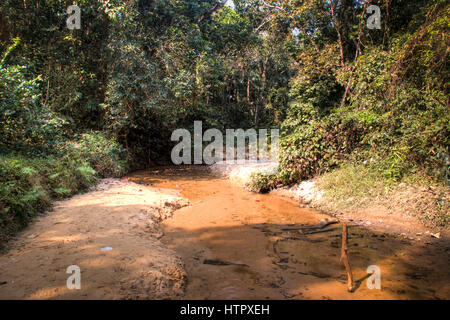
(344, 259)
(321, 225)
(318, 231)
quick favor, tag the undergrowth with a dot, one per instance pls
(28, 185)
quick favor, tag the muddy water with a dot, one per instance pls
(230, 224)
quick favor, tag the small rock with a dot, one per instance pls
(436, 235)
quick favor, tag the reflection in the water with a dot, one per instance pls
(227, 223)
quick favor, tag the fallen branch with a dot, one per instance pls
(321, 225)
(315, 274)
(302, 239)
(344, 259)
(318, 231)
(223, 263)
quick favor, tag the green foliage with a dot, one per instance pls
(21, 195)
(26, 126)
(139, 69)
(103, 156)
(404, 104)
(261, 182)
(27, 185)
(389, 107)
(354, 185)
(316, 147)
(71, 63)
(162, 75)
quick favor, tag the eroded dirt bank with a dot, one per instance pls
(398, 213)
(119, 214)
(226, 223)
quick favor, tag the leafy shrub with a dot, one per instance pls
(261, 182)
(21, 194)
(316, 148)
(27, 185)
(99, 152)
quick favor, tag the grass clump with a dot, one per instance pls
(359, 186)
(354, 185)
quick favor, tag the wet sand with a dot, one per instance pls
(225, 222)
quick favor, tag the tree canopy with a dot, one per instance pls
(137, 70)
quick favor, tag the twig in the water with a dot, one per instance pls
(415, 275)
(319, 231)
(302, 239)
(315, 274)
(344, 259)
(321, 225)
(223, 263)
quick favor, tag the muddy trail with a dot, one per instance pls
(225, 223)
(184, 233)
(111, 233)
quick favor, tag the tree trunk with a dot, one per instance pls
(338, 30)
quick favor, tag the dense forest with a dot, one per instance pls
(99, 101)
